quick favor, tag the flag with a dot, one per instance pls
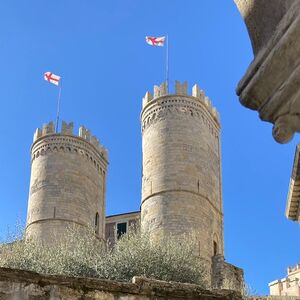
(156, 41)
(48, 76)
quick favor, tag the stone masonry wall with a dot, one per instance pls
(234, 277)
(22, 285)
(225, 275)
(67, 186)
(274, 298)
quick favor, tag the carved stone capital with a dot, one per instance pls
(261, 18)
(271, 83)
(285, 127)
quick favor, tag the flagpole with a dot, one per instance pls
(167, 63)
(58, 107)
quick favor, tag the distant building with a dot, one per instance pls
(293, 200)
(288, 286)
(116, 225)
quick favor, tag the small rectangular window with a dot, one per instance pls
(215, 248)
(121, 229)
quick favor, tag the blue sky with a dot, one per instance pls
(99, 49)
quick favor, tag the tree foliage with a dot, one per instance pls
(135, 254)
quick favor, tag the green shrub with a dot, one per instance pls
(135, 254)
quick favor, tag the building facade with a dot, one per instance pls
(117, 225)
(293, 200)
(288, 286)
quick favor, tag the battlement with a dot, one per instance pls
(294, 269)
(67, 129)
(181, 89)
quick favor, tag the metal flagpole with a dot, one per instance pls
(167, 63)
(58, 106)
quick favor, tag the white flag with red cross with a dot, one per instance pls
(48, 76)
(156, 41)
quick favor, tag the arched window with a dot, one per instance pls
(97, 223)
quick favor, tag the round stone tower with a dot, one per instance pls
(67, 185)
(181, 184)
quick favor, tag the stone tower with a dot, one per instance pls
(67, 185)
(181, 184)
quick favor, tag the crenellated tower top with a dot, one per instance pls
(181, 89)
(67, 129)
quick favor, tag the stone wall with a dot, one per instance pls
(23, 285)
(225, 275)
(234, 277)
(274, 298)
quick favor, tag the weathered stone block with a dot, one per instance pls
(271, 83)
(23, 285)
